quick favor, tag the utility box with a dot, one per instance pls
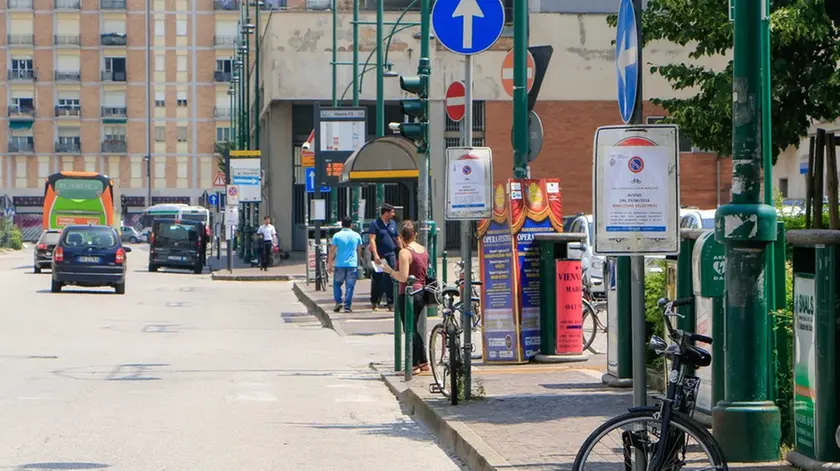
(816, 324)
(708, 269)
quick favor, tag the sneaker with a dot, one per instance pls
(347, 309)
(390, 307)
(373, 306)
(337, 307)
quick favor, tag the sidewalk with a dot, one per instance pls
(531, 417)
(292, 269)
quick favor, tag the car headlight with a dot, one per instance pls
(597, 265)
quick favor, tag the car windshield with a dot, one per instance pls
(177, 233)
(50, 238)
(94, 237)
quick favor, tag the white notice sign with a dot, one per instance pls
(342, 136)
(469, 183)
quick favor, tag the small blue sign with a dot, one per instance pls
(310, 181)
(213, 199)
(626, 55)
(10, 212)
(248, 181)
(468, 26)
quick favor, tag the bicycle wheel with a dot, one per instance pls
(589, 325)
(438, 358)
(454, 363)
(636, 435)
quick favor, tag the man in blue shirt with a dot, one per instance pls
(384, 244)
(345, 252)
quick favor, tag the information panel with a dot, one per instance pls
(338, 133)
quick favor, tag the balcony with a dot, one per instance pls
(114, 146)
(66, 40)
(67, 4)
(69, 147)
(112, 4)
(67, 75)
(230, 5)
(21, 112)
(20, 146)
(222, 40)
(111, 76)
(114, 112)
(113, 39)
(220, 112)
(19, 4)
(220, 76)
(71, 111)
(20, 39)
(21, 74)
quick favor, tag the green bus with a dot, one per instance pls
(80, 198)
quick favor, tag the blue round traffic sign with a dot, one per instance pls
(468, 26)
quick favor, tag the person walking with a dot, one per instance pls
(344, 256)
(384, 244)
(269, 236)
(412, 261)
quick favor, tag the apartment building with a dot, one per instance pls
(76, 95)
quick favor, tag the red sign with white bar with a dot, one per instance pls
(507, 72)
(456, 101)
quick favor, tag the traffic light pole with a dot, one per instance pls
(380, 89)
(424, 69)
(746, 423)
(356, 194)
(520, 90)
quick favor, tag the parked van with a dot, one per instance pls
(174, 243)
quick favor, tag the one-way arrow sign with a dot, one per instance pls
(310, 182)
(468, 26)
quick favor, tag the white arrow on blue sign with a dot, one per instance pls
(213, 199)
(246, 180)
(626, 54)
(310, 181)
(468, 26)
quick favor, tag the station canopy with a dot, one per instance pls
(384, 159)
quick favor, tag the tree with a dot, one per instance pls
(805, 49)
(222, 150)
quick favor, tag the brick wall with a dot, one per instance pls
(567, 152)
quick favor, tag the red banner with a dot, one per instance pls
(569, 307)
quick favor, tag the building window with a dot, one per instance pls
(160, 30)
(182, 134)
(223, 65)
(181, 27)
(160, 99)
(160, 133)
(114, 133)
(508, 12)
(66, 103)
(160, 63)
(222, 134)
(182, 98)
(685, 142)
(783, 187)
(182, 63)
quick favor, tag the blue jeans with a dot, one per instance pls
(382, 284)
(342, 275)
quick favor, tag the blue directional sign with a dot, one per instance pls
(626, 53)
(246, 180)
(213, 199)
(468, 26)
(310, 181)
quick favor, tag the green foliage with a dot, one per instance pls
(655, 289)
(805, 50)
(10, 235)
(781, 323)
(222, 150)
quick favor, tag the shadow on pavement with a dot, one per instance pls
(64, 465)
(405, 429)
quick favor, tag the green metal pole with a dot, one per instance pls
(356, 192)
(747, 423)
(380, 91)
(333, 189)
(397, 330)
(520, 90)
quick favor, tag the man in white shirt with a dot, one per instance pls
(269, 236)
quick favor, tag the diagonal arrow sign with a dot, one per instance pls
(468, 9)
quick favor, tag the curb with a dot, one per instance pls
(319, 312)
(452, 433)
(226, 277)
(801, 461)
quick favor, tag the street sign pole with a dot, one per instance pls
(520, 90)
(466, 237)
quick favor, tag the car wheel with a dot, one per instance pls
(133, 240)
(56, 286)
(37, 268)
(153, 268)
(119, 288)
(198, 269)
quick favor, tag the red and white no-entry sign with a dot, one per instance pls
(507, 72)
(456, 101)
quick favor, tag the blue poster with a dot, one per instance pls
(529, 280)
(497, 304)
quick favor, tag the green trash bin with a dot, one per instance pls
(816, 315)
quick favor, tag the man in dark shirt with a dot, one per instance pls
(384, 244)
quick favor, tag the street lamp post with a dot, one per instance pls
(520, 90)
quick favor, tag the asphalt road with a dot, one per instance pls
(184, 373)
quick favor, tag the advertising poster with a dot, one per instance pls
(804, 366)
(501, 339)
(703, 312)
(569, 307)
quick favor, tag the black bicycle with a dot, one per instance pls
(663, 437)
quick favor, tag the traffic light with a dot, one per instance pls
(123, 201)
(417, 109)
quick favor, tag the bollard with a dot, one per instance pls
(409, 329)
(432, 309)
(444, 268)
(397, 331)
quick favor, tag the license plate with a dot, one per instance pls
(176, 257)
(88, 259)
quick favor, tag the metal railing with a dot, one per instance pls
(223, 40)
(69, 147)
(68, 111)
(66, 40)
(225, 5)
(19, 4)
(111, 76)
(68, 4)
(114, 112)
(20, 39)
(112, 4)
(114, 145)
(68, 75)
(17, 146)
(20, 74)
(21, 111)
(221, 112)
(113, 39)
(220, 76)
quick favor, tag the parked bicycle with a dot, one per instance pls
(594, 318)
(660, 437)
(445, 351)
(322, 262)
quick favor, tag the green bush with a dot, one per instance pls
(10, 236)
(655, 289)
(781, 323)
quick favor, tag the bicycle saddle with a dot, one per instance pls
(451, 290)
